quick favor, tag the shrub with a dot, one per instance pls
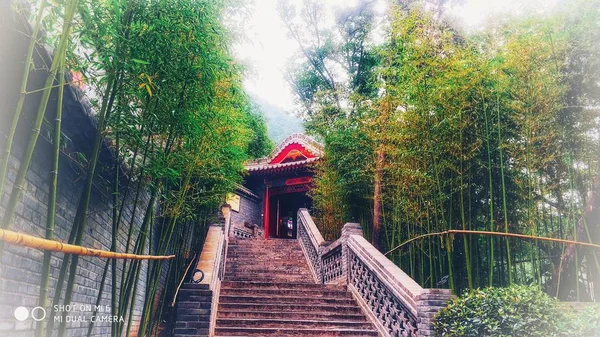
(584, 322)
(512, 311)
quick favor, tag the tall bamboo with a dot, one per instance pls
(504, 207)
(22, 94)
(80, 224)
(491, 193)
(50, 215)
(19, 184)
(115, 224)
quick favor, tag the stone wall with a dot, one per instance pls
(250, 210)
(20, 268)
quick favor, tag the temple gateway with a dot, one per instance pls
(275, 187)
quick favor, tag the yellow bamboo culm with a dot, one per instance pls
(26, 240)
(503, 234)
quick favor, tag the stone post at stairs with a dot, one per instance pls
(350, 228)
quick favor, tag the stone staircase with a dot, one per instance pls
(268, 290)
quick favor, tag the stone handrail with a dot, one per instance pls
(310, 240)
(332, 266)
(242, 234)
(212, 264)
(210, 261)
(394, 302)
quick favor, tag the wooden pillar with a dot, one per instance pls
(266, 210)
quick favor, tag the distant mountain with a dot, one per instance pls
(280, 123)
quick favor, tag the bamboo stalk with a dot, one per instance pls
(80, 222)
(39, 331)
(464, 226)
(30, 241)
(18, 186)
(115, 227)
(98, 298)
(510, 272)
(491, 193)
(22, 94)
(501, 234)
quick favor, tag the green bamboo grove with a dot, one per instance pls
(436, 129)
(171, 106)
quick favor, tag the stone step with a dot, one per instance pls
(193, 305)
(289, 308)
(190, 332)
(285, 323)
(191, 297)
(303, 279)
(194, 286)
(261, 268)
(267, 272)
(285, 300)
(269, 290)
(264, 251)
(273, 285)
(193, 311)
(185, 317)
(263, 241)
(286, 292)
(261, 244)
(197, 292)
(267, 263)
(240, 331)
(192, 325)
(353, 316)
(266, 248)
(291, 256)
(263, 260)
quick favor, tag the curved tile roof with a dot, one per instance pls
(262, 164)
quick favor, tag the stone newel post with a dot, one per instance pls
(349, 228)
(226, 220)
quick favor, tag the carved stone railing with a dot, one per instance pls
(393, 301)
(310, 241)
(332, 266)
(242, 234)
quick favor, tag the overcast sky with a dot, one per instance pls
(267, 48)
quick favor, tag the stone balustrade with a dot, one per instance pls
(332, 266)
(310, 240)
(395, 303)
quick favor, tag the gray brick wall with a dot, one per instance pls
(20, 268)
(250, 210)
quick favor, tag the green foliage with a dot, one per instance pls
(511, 311)
(493, 130)
(333, 81)
(170, 103)
(581, 322)
(260, 144)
